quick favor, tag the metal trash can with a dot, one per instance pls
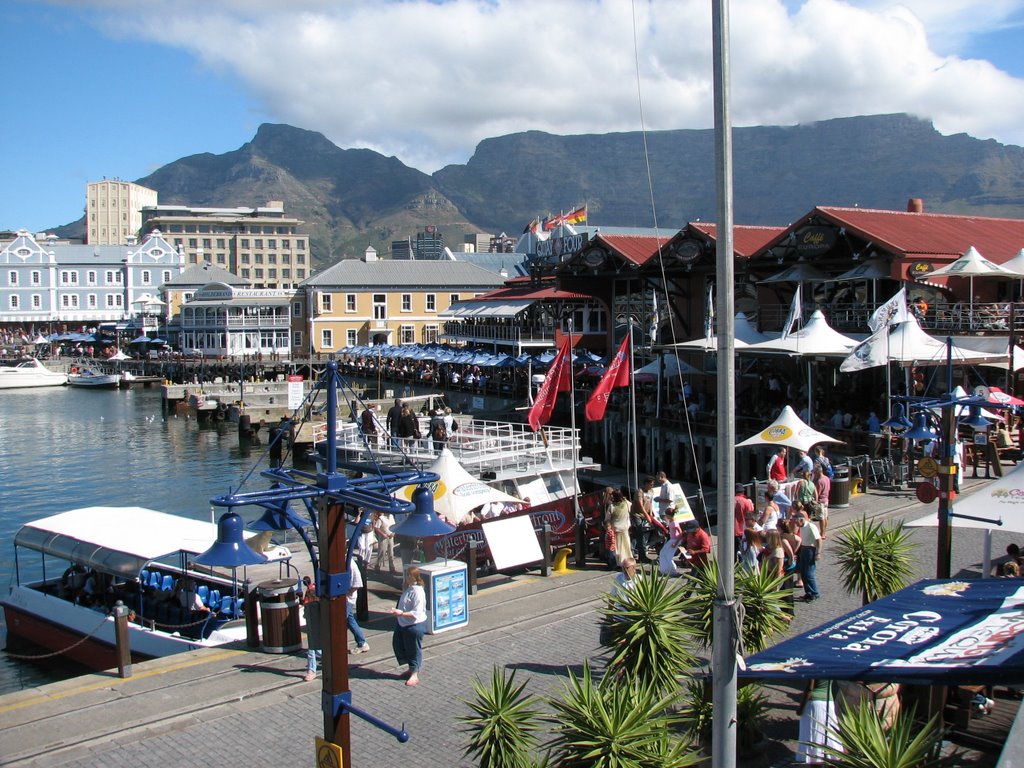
(279, 612)
(839, 495)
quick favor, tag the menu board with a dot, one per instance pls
(448, 600)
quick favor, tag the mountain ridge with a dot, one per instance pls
(351, 198)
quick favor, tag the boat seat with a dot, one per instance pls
(155, 577)
(144, 576)
(204, 593)
(167, 585)
(227, 606)
(214, 602)
(239, 607)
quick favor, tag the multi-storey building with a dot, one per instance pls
(374, 301)
(224, 320)
(113, 211)
(261, 245)
(477, 242)
(75, 284)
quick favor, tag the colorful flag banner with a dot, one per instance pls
(533, 226)
(557, 380)
(893, 311)
(794, 314)
(617, 375)
(870, 353)
(579, 216)
(551, 222)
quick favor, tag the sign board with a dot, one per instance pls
(328, 755)
(926, 492)
(927, 466)
(296, 392)
(512, 542)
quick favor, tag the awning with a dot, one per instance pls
(477, 308)
(936, 632)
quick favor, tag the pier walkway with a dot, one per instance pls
(234, 707)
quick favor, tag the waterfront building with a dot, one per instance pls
(55, 284)
(385, 301)
(181, 288)
(228, 321)
(259, 244)
(113, 211)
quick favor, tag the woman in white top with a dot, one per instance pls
(411, 618)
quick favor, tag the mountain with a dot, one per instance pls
(351, 198)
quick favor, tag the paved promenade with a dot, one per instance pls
(241, 708)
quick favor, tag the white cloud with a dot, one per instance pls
(426, 80)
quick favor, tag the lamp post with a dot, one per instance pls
(325, 495)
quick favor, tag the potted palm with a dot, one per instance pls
(874, 558)
(696, 712)
(503, 723)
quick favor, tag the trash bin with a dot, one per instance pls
(279, 612)
(839, 495)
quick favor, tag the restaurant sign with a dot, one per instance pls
(920, 269)
(561, 247)
(812, 241)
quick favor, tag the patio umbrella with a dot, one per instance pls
(140, 340)
(788, 430)
(972, 264)
(744, 334)
(801, 272)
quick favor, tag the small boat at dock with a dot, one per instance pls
(30, 374)
(87, 377)
(74, 566)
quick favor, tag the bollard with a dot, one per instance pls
(252, 620)
(545, 549)
(561, 564)
(581, 542)
(471, 566)
(123, 644)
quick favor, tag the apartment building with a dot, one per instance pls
(113, 211)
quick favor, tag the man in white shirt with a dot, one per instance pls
(808, 556)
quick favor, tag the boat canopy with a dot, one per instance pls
(117, 540)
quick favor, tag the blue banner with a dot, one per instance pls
(935, 632)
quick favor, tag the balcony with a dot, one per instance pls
(959, 317)
(500, 334)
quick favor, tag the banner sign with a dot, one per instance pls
(936, 632)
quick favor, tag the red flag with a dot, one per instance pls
(557, 380)
(617, 375)
(552, 222)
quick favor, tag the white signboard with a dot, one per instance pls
(296, 392)
(512, 542)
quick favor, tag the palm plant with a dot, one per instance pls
(874, 558)
(765, 602)
(866, 743)
(615, 724)
(503, 723)
(696, 712)
(643, 628)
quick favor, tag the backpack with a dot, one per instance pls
(439, 432)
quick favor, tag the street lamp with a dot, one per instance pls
(324, 496)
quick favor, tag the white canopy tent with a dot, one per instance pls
(789, 430)
(457, 493)
(744, 335)
(816, 339)
(972, 264)
(670, 365)
(907, 343)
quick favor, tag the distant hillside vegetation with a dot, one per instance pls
(351, 198)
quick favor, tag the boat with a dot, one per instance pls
(87, 377)
(138, 556)
(30, 373)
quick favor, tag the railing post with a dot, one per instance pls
(471, 566)
(121, 640)
(545, 549)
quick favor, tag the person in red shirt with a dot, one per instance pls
(777, 466)
(741, 511)
(696, 544)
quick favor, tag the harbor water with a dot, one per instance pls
(65, 447)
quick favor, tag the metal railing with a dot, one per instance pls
(957, 317)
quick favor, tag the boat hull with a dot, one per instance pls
(95, 382)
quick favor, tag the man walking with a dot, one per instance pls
(391, 421)
(807, 558)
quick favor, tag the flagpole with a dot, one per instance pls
(581, 537)
(633, 443)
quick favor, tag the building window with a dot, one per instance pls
(221, 258)
(296, 309)
(407, 302)
(350, 302)
(110, 301)
(286, 273)
(68, 277)
(257, 243)
(14, 301)
(431, 302)
(327, 338)
(325, 302)
(146, 278)
(300, 245)
(259, 274)
(12, 278)
(69, 301)
(259, 258)
(90, 277)
(380, 306)
(37, 301)
(90, 301)
(193, 243)
(272, 244)
(406, 334)
(430, 334)
(221, 243)
(37, 278)
(244, 242)
(297, 339)
(245, 274)
(351, 337)
(167, 277)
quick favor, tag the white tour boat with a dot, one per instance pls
(90, 378)
(30, 373)
(87, 559)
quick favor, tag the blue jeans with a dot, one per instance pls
(807, 560)
(357, 633)
(407, 643)
(312, 658)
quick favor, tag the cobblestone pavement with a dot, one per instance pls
(273, 719)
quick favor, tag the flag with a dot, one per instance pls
(709, 316)
(654, 320)
(895, 310)
(870, 353)
(532, 226)
(617, 375)
(557, 380)
(794, 314)
(579, 216)
(552, 222)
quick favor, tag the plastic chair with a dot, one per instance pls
(227, 606)
(167, 585)
(144, 576)
(155, 577)
(214, 601)
(204, 593)
(239, 607)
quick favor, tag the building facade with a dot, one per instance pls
(261, 245)
(113, 211)
(67, 284)
(226, 321)
(383, 302)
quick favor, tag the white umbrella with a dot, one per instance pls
(673, 366)
(801, 272)
(789, 430)
(972, 264)
(816, 339)
(1016, 264)
(744, 335)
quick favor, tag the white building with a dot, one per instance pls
(44, 283)
(113, 211)
(227, 321)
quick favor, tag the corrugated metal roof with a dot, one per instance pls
(931, 234)
(387, 274)
(201, 274)
(746, 239)
(638, 249)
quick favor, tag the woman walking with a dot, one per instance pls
(411, 617)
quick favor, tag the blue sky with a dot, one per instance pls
(426, 80)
